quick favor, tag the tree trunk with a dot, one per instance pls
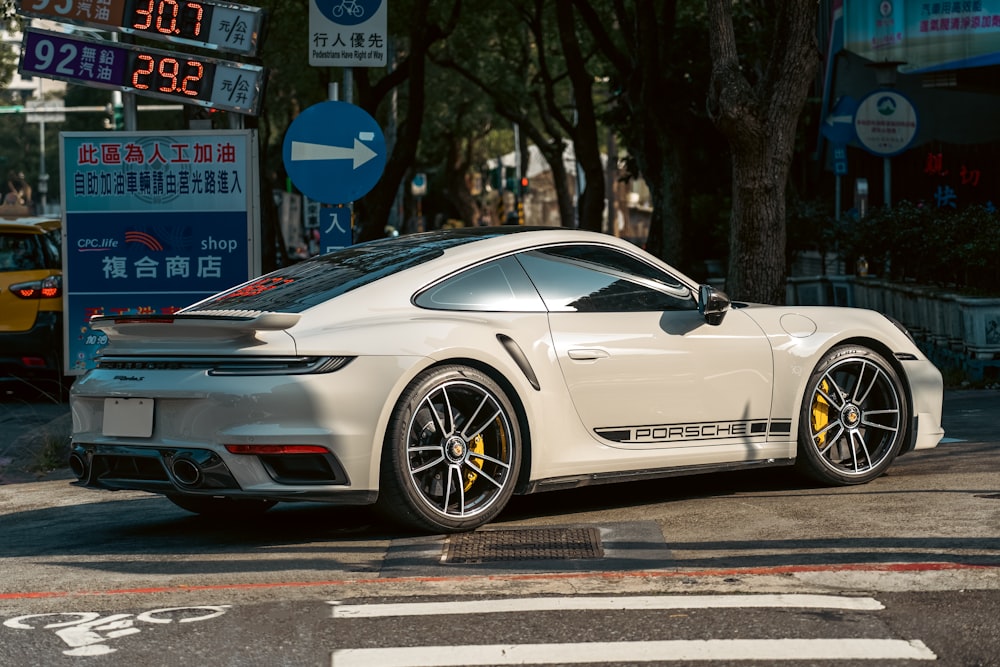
(456, 174)
(760, 120)
(583, 131)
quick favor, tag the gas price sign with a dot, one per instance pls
(207, 82)
(209, 24)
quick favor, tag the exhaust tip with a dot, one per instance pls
(186, 472)
(78, 465)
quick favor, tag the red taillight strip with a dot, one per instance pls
(144, 320)
(264, 450)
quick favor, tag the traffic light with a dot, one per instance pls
(524, 185)
(115, 119)
(509, 181)
(496, 178)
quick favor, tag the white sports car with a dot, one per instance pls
(437, 374)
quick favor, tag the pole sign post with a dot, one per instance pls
(335, 228)
(348, 34)
(838, 129)
(334, 152)
(153, 222)
(209, 24)
(207, 82)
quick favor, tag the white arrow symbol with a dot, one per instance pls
(832, 120)
(360, 154)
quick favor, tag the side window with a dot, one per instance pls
(52, 240)
(496, 286)
(600, 279)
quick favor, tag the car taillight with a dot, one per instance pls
(263, 450)
(49, 287)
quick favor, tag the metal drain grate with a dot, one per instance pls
(493, 546)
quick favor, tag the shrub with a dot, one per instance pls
(917, 243)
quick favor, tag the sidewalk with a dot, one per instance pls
(34, 440)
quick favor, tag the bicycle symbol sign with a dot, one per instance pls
(348, 12)
(87, 632)
(348, 33)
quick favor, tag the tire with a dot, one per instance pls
(218, 506)
(451, 453)
(854, 418)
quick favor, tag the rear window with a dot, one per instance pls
(313, 281)
(21, 252)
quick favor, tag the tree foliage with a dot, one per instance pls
(700, 96)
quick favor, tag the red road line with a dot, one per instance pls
(633, 574)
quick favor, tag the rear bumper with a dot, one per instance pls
(203, 472)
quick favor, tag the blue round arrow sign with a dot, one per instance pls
(334, 152)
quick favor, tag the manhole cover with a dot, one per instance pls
(492, 546)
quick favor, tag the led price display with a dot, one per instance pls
(176, 18)
(197, 80)
(211, 24)
(170, 76)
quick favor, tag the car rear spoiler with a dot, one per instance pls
(195, 324)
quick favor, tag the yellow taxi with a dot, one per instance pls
(31, 303)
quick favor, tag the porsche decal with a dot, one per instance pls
(641, 435)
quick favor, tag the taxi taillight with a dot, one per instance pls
(49, 287)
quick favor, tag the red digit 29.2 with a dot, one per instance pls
(167, 75)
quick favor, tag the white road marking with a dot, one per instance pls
(617, 652)
(87, 633)
(639, 602)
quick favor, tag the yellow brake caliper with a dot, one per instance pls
(820, 415)
(477, 448)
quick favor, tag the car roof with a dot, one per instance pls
(36, 225)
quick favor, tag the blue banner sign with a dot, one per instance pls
(924, 36)
(153, 223)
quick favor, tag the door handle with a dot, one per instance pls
(587, 354)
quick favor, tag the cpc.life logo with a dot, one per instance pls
(105, 243)
(348, 12)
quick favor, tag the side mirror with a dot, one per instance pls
(713, 304)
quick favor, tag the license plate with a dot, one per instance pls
(128, 417)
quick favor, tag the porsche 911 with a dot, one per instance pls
(435, 375)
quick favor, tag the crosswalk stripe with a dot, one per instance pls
(638, 602)
(617, 652)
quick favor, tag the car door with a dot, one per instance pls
(641, 364)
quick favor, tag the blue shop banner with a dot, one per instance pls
(924, 36)
(153, 223)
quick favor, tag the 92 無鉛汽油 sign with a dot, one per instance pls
(207, 82)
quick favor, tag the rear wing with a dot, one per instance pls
(217, 324)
